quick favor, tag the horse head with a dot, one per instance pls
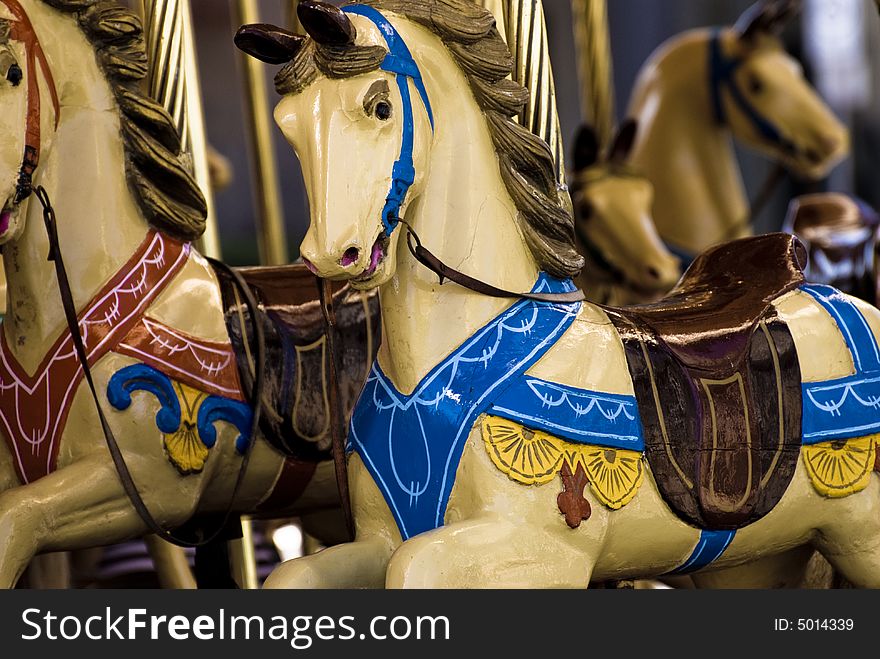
(372, 101)
(613, 221)
(760, 92)
(27, 123)
(352, 95)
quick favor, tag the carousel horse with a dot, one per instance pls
(704, 87)
(626, 261)
(840, 234)
(132, 370)
(537, 440)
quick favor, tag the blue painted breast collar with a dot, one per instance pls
(400, 62)
(411, 445)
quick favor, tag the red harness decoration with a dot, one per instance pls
(23, 31)
(34, 408)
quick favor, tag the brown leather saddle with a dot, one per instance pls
(717, 380)
(840, 234)
(296, 404)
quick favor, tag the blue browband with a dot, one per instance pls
(722, 70)
(400, 62)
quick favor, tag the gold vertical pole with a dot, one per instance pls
(242, 557)
(174, 82)
(524, 27)
(291, 19)
(595, 70)
(272, 234)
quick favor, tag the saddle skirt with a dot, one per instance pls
(717, 380)
(296, 405)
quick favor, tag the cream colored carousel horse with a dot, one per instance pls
(160, 332)
(626, 261)
(483, 418)
(704, 87)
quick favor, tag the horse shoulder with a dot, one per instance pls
(192, 303)
(821, 348)
(590, 355)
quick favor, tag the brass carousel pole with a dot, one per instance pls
(291, 19)
(174, 82)
(523, 26)
(272, 234)
(593, 44)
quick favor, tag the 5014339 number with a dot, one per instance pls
(813, 624)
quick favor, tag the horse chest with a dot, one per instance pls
(411, 445)
(34, 408)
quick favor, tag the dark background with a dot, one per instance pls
(637, 26)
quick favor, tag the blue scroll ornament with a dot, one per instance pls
(140, 377)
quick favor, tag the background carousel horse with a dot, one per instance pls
(701, 88)
(626, 261)
(475, 405)
(168, 340)
(840, 234)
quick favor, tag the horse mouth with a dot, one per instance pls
(6, 216)
(378, 254)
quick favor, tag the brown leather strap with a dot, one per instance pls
(443, 271)
(122, 470)
(23, 30)
(337, 418)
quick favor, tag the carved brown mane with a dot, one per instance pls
(164, 187)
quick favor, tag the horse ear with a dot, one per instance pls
(624, 142)
(586, 148)
(326, 23)
(755, 20)
(268, 43)
(785, 11)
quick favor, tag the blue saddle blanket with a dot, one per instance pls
(837, 410)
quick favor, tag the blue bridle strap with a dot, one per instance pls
(400, 62)
(722, 71)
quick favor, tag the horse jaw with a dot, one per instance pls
(819, 140)
(622, 230)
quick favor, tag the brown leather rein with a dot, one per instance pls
(444, 272)
(122, 470)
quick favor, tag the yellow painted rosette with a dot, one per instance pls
(534, 458)
(840, 468)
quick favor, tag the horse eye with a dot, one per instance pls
(14, 75)
(756, 85)
(382, 110)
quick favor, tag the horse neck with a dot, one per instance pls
(467, 218)
(687, 155)
(99, 228)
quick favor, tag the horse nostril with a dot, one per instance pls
(830, 144)
(814, 156)
(653, 273)
(351, 256)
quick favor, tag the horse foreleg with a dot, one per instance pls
(490, 553)
(49, 572)
(851, 543)
(785, 570)
(359, 564)
(171, 564)
(81, 505)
